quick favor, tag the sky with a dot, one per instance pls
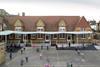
(88, 8)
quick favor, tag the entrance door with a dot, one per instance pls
(47, 39)
(69, 38)
(24, 39)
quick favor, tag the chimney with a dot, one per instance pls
(23, 13)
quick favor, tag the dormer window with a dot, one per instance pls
(62, 26)
(40, 29)
(40, 25)
(62, 29)
(18, 26)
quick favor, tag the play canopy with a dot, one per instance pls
(8, 32)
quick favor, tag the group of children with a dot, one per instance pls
(26, 58)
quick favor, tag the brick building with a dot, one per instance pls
(48, 24)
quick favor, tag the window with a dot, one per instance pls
(82, 35)
(61, 35)
(33, 36)
(18, 28)
(40, 35)
(11, 36)
(40, 29)
(55, 36)
(18, 36)
(82, 29)
(62, 29)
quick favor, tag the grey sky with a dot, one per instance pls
(93, 2)
(89, 8)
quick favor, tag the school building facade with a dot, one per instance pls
(46, 24)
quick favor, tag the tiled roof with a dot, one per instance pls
(51, 22)
(83, 23)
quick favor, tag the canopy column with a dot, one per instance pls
(83, 36)
(77, 38)
(50, 38)
(5, 39)
(25, 38)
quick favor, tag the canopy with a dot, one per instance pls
(8, 32)
(73, 32)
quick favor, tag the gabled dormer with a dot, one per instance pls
(40, 25)
(61, 28)
(18, 25)
(62, 25)
(83, 25)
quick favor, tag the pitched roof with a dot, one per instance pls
(83, 23)
(51, 22)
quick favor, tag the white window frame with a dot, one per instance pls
(18, 36)
(18, 28)
(40, 36)
(40, 29)
(33, 36)
(54, 36)
(62, 29)
(61, 36)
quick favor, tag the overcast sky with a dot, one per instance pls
(88, 8)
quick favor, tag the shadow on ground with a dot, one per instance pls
(89, 47)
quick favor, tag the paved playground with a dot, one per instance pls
(56, 58)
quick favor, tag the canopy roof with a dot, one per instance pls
(8, 32)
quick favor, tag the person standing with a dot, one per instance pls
(10, 56)
(47, 47)
(48, 60)
(26, 59)
(78, 52)
(24, 49)
(41, 47)
(69, 44)
(21, 62)
(71, 65)
(37, 50)
(40, 55)
(21, 51)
